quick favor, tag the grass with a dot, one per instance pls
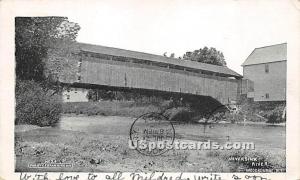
(99, 143)
(270, 160)
(109, 108)
(126, 109)
(103, 153)
(249, 111)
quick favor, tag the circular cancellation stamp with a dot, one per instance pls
(151, 133)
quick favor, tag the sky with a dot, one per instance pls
(234, 27)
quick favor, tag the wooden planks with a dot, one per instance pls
(119, 75)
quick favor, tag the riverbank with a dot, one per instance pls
(248, 113)
(199, 122)
(100, 143)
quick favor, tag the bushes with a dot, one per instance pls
(126, 108)
(36, 105)
(270, 112)
(273, 112)
(108, 108)
(276, 116)
(181, 114)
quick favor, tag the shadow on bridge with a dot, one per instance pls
(199, 104)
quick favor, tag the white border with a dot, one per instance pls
(12, 8)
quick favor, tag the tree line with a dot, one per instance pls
(204, 55)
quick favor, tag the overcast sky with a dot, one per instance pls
(234, 27)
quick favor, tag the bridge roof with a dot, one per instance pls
(157, 58)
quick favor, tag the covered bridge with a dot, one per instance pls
(120, 68)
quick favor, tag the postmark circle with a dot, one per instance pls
(152, 134)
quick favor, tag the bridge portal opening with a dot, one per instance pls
(198, 106)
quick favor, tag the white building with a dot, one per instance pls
(266, 68)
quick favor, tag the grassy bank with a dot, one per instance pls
(95, 152)
(100, 143)
(91, 152)
(251, 161)
(270, 112)
(109, 108)
(247, 112)
(129, 109)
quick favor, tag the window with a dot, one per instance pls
(266, 68)
(267, 96)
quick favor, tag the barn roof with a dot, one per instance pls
(267, 54)
(157, 58)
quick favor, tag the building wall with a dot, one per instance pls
(246, 86)
(123, 74)
(75, 95)
(272, 83)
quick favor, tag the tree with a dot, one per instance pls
(33, 36)
(206, 55)
(40, 63)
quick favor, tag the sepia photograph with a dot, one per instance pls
(148, 86)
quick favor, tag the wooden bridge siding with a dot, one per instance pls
(96, 72)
